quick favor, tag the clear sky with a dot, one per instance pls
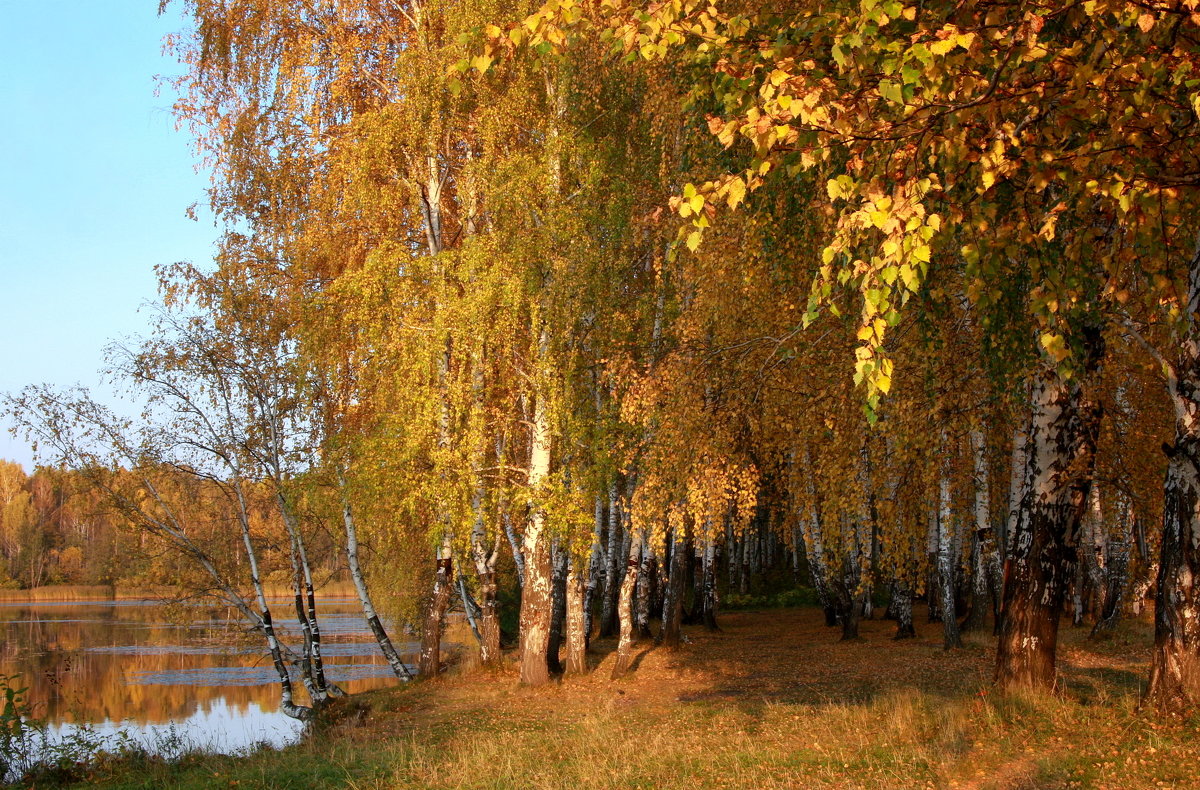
(94, 185)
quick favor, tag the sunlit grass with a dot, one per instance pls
(875, 714)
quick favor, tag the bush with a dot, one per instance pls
(796, 596)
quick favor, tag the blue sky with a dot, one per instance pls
(94, 185)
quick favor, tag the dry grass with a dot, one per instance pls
(773, 701)
(69, 592)
(107, 592)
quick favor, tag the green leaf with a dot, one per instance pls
(890, 90)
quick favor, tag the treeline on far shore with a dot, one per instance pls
(58, 542)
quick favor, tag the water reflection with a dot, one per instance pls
(215, 726)
(143, 668)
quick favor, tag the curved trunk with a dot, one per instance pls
(1060, 459)
(265, 623)
(364, 597)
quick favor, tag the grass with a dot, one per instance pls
(773, 701)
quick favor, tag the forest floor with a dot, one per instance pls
(774, 700)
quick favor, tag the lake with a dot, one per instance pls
(174, 676)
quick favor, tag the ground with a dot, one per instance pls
(774, 700)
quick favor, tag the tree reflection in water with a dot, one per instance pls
(124, 666)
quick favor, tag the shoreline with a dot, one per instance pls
(67, 593)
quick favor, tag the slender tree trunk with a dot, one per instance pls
(902, 607)
(612, 568)
(673, 600)
(1116, 578)
(489, 619)
(644, 591)
(625, 612)
(429, 664)
(558, 618)
(983, 543)
(933, 576)
(576, 622)
(1175, 666)
(537, 597)
(947, 557)
(595, 571)
(849, 605)
(364, 597)
(1016, 493)
(1058, 474)
(1116, 575)
(711, 598)
(515, 544)
(286, 701)
(812, 530)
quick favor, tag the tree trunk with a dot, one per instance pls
(364, 597)
(1116, 572)
(558, 618)
(286, 701)
(814, 547)
(536, 597)
(595, 571)
(430, 662)
(947, 557)
(625, 612)
(902, 607)
(645, 590)
(933, 575)
(983, 544)
(1060, 459)
(1016, 492)
(849, 605)
(673, 600)
(1116, 577)
(1175, 666)
(711, 598)
(612, 568)
(576, 621)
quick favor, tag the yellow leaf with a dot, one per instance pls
(693, 240)
(943, 46)
(736, 194)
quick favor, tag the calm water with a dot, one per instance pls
(155, 672)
